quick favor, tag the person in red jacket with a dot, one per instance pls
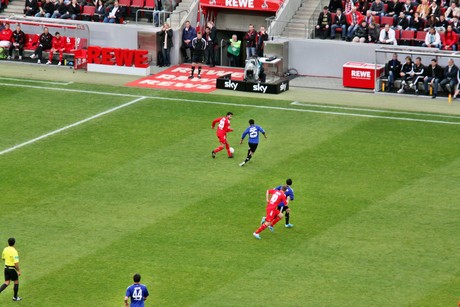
(58, 46)
(222, 128)
(5, 37)
(354, 19)
(450, 39)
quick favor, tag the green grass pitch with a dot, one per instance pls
(376, 214)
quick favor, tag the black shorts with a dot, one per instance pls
(282, 209)
(198, 57)
(11, 274)
(253, 146)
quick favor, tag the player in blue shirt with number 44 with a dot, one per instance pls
(137, 292)
(253, 132)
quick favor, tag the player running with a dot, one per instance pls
(253, 141)
(284, 208)
(273, 215)
(222, 128)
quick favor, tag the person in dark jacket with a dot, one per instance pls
(393, 69)
(334, 5)
(46, 10)
(188, 34)
(59, 9)
(31, 8)
(250, 40)
(406, 70)
(199, 46)
(434, 74)
(44, 43)
(450, 77)
(73, 11)
(418, 74)
(324, 23)
(339, 22)
(213, 43)
(166, 35)
(362, 33)
(262, 37)
(18, 42)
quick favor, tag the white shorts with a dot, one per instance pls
(5, 44)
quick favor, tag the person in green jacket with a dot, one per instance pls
(233, 51)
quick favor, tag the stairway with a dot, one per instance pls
(303, 21)
(15, 7)
(184, 5)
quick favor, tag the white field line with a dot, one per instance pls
(243, 105)
(71, 126)
(297, 103)
(36, 81)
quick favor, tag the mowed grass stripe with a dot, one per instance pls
(114, 192)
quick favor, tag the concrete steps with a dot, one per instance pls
(296, 28)
(14, 7)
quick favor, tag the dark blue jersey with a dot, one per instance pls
(253, 132)
(137, 293)
(289, 193)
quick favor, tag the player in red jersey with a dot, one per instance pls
(273, 215)
(222, 128)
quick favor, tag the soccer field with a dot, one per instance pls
(99, 182)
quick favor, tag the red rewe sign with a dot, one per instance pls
(176, 78)
(117, 56)
(253, 5)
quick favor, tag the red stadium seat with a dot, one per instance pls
(149, 4)
(31, 41)
(386, 20)
(126, 3)
(138, 4)
(88, 10)
(407, 37)
(398, 35)
(420, 38)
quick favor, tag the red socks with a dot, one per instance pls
(219, 148)
(276, 220)
(261, 228)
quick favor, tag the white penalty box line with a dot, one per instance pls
(139, 98)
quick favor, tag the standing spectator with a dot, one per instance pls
(250, 40)
(18, 42)
(137, 293)
(377, 8)
(188, 34)
(434, 74)
(416, 23)
(253, 139)
(349, 5)
(46, 10)
(393, 68)
(408, 9)
(222, 129)
(100, 12)
(44, 43)
(354, 20)
(450, 77)
(199, 47)
(432, 39)
(323, 24)
(114, 13)
(423, 9)
(156, 13)
(339, 22)
(60, 9)
(450, 39)
(335, 4)
(73, 10)
(31, 8)
(362, 33)
(12, 272)
(5, 37)
(405, 73)
(213, 42)
(233, 51)
(209, 45)
(418, 74)
(262, 37)
(58, 46)
(393, 10)
(387, 36)
(166, 35)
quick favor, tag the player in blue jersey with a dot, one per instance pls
(137, 292)
(253, 132)
(290, 195)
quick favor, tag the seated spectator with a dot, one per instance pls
(362, 33)
(373, 31)
(417, 74)
(58, 46)
(434, 74)
(377, 8)
(401, 22)
(394, 8)
(339, 22)
(114, 14)
(324, 23)
(441, 24)
(416, 23)
(31, 8)
(18, 41)
(432, 39)
(73, 10)
(369, 18)
(387, 36)
(5, 37)
(392, 69)
(233, 51)
(448, 84)
(46, 10)
(166, 35)
(430, 23)
(452, 11)
(450, 39)
(354, 20)
(349, 5)
(60, 9)
(435, 10)
(188, 33)
(408, 9)
(45, 42)
(100, 11)
(423, 9)
(334, 5)
(455, 25)
(405, 73)
(363, 6)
